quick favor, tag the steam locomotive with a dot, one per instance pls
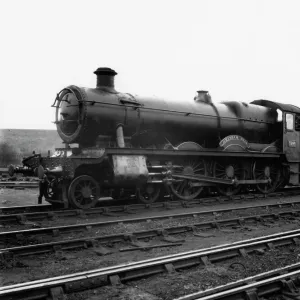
(122, 144)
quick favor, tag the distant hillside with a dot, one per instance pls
(18, 143)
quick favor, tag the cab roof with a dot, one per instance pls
(277, 105)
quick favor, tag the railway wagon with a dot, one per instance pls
(119, 144)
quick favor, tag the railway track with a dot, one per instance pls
(56, 287)
(22, 218)
(18, 184)
(25, 209)
(33, 213)
(94, 239)
(284, 281)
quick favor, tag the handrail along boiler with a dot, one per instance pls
(122, 144)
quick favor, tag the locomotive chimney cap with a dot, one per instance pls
(105, 71)
(203, 96)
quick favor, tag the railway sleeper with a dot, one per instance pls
(170, 268)
(147, 234)
(251, 294)
(243, 252)
(88, 283)
(124, 275)
(57, 293)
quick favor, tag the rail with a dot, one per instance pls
(41, 289)
(285, 281)
(41, 212)
(93, 240)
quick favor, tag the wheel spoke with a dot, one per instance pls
(222, 171)
(181, 186)
(183, 189)
(269, 171)
(84, 192)
(199, 170)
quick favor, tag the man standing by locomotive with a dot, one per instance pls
(43, 182)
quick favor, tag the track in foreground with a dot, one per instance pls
(54, 288)
(284, 282)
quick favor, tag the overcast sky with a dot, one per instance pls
(238, 50)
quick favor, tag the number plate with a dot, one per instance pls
(292, 144)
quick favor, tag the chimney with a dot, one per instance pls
(203, 96)
(105, 79)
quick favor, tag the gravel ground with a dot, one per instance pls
(48, 265)
(13, 197)
(166, 286)
(126, 227)
(169, 286)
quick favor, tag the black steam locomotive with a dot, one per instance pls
(122, 144)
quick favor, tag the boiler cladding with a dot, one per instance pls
(82, 114)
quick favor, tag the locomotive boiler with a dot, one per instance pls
(82, 114)
(122, 144)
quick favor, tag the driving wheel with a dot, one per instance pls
(228, 170)
(269, 171)
(187, 189)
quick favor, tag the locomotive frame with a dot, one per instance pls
(78, 175)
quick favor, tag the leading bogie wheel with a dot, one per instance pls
(84, 192)
(51, 190)
(148, 194)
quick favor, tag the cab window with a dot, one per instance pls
(289, 121)
(297, 123)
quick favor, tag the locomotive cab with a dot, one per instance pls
(291, 144)
(290, 141)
